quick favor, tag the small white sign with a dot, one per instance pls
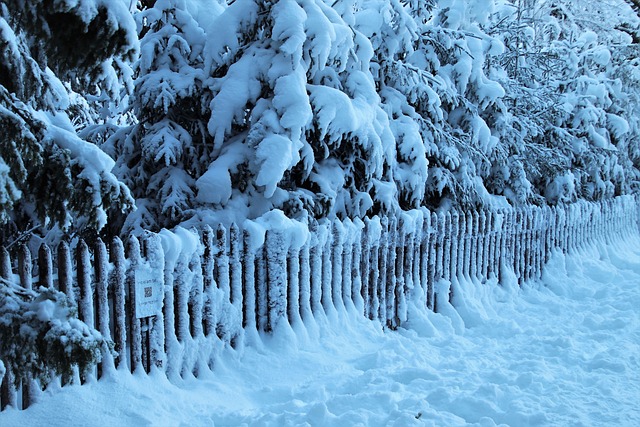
(149, 294)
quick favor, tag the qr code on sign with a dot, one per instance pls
(148, 292)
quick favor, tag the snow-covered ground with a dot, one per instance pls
(562, 352)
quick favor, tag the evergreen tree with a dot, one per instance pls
(48, 175)
(295, 117)
(40, 335)
(458, 101)
(161, 155)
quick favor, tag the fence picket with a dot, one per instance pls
(221, 264)
(391, 279)
(306, 313)
(337, 251)
(248, 284)
(235, 267)
(45, 267)
(347, 266)
(365, 262)
(439, 255)
(431, 261)
(374, 302)
(327, 272)
(446, 247)
(117, 280)
(315, 258)
(8, 392)
(135, 333)
(101, 267)
(276, 278)
(357, 276)
(261, 290)
(65, 273)
(293, 287)
(399, 281)
(383, 259)
(208, 281)
(486, 242)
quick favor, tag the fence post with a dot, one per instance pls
(431, 265)
(439, 254)
(365, 263)
(507, 240)
(481, 272)
(45, 267)
(101, 268)
(416, 254)
(525, 233)
(221, 271)
(468, 240)
(293, 288)
(248, 285)
(473, 238)
(135, 332)
(337, 251)
(455, 242)
(553, 225)
(446, 248)
(423, 245)
(8, 392)
(196, 297)
(181, 289)
(565, 229)
(410, 269)
(158, 323)
(117, 284)
(348, 267)
(235, 268)
(315, 258)
(525, 240)
(276, 250)
(65, 273)
(375, 277)
(262, 298)
(208, 293)
(327, 272)
(399, 283)
(537, 242)
(306, 312)
(518, 244)
(85, 304)
(389, 284)
(357, 275)
(25, 267)
(383, 258)
(491, 245)
(486, 243)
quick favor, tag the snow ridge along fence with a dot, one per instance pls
(172, 301)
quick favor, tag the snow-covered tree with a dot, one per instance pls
(48, 175)
(161, 155)
(40, 334)
(562, 87)
(402, 88)
(446, 80)
(295, 117)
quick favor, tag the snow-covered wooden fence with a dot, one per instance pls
(224, 287)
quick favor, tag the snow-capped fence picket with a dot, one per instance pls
(171, 301)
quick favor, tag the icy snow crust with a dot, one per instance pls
(562, 351)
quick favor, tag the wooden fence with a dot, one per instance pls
(222, 286)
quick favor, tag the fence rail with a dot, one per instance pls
(221, 286)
